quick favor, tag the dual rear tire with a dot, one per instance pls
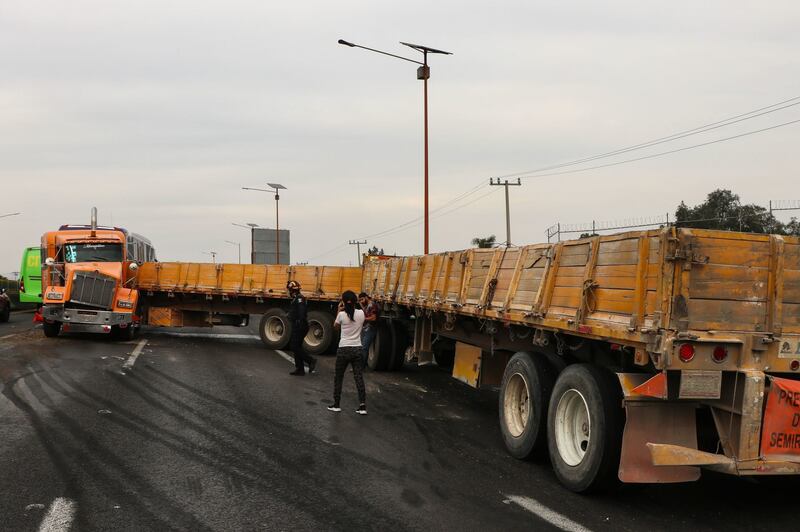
(275, 330)
(576, 418)
(388, 350)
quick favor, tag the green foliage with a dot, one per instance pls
(724, 210)
(487, 242)
(375, 251)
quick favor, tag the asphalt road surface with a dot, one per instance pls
(205, 430)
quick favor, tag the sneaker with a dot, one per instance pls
(334, 408)
(297, 373)
(362, 410)
(312, 366)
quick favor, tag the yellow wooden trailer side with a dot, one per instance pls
(247, 280)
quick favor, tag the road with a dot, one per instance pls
(206, 430)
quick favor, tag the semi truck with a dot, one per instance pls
(88, 279)
(640, 357)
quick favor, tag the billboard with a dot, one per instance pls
(264, 249)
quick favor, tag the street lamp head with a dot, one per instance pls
(277, 186)
(342, 41)
(252, 224)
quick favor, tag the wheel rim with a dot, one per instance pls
(274, 328)
(315, 334)
(516, 405)
(573, 427)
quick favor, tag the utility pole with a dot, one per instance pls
(358, 243)
(506, 184)
(213, 256)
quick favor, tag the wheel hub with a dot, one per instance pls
(573, 427)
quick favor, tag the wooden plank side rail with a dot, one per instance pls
(240, 280)
(642, 282)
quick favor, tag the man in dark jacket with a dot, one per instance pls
(298, 310)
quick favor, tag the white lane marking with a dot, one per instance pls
(134, 355)
(543, 512)
(289, 357)
(59, 516)
(285, 355)
(207, 335)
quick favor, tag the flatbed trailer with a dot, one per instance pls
(642, 356)
(177, 294)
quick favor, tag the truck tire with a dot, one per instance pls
(399, 346)
(524, 398)
(123, 334)
(584, 427)
(51, 329)
(380, 352)
(275, 329)
(320, 332)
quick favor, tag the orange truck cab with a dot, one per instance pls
(87, 277)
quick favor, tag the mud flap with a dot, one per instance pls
(656, 422)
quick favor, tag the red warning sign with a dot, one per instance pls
(780, 436)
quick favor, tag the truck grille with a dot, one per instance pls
(93, 289)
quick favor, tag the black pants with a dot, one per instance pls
(345, 356)
(300, 355)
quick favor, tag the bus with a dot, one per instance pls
(30, 276)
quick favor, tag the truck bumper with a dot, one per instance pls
(84, 320)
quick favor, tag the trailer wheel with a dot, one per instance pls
(584, 426)
(524, 397)
(275, 329)
(399, 346)
(380, 352)
(320, 332)
(51, 328)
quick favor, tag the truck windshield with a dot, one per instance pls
(93, 252)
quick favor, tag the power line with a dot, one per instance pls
(660, 154)
(675, 136)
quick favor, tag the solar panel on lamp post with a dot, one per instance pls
(251, 227)
(276, 187)
(423, 73)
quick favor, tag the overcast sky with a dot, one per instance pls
(158, 112)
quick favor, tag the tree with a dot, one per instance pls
(793, 227)
(375, 251)
(723, 210)
(487, 242)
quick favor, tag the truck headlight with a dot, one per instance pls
(55, 295)
(121, 303)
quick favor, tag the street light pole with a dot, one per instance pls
(506, 184)
(10, 214)
(423, 73)
(276, 187)
(239, 244)
(213, 256)
(252, 228)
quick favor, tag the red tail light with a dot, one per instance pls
(719, 354)
(686, 352)
(22, 286)
(795, 365)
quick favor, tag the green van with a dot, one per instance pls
(30, 276)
